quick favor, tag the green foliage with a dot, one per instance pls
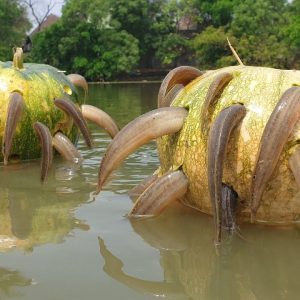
(268, 51)
(96, 12)
(46, 46)
(211, 50)
(103, 39)
(170, 48)
(291, 33)
(258, 27)
(257, 17)
(13, 27)
(146, 20)
(216, 12)
(76, 45)
(121, 55)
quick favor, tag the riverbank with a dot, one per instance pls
(138, 76)
(125, 82)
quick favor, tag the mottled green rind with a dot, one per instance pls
(259, 89)
(29, 222)
(40, 85)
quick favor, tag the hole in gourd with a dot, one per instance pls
(67, 90)
(17, 91)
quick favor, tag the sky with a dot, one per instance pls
(41, 7)
(57, 8)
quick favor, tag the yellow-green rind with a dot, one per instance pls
(39, 85)
(259, 89)
(27, 222)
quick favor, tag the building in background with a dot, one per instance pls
(51, 19)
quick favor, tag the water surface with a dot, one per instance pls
(59, 242)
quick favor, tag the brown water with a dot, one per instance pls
(58, 242)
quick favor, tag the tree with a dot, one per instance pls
(291, 34)
(205, 46)
(139, 18)
(13, 26)
(81, 43)
(104, 38)
(211, 49)
(170, 48)
(257, 25)
(40, 15)
(216, 13)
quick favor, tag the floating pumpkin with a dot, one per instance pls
(39, 106)
(228, 143)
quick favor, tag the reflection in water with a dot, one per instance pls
(113, 267)
(10, 279)
(192, 266)
(32, 216)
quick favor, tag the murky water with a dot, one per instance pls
(58, 242)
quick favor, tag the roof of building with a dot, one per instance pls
(51, 19)
(186, 23)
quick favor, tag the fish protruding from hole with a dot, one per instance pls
(160, 194)
(15, 109)
(154, 124)
(275, 135)
(45, 138)
(180, 75)
(219, 135)
(70, 108)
